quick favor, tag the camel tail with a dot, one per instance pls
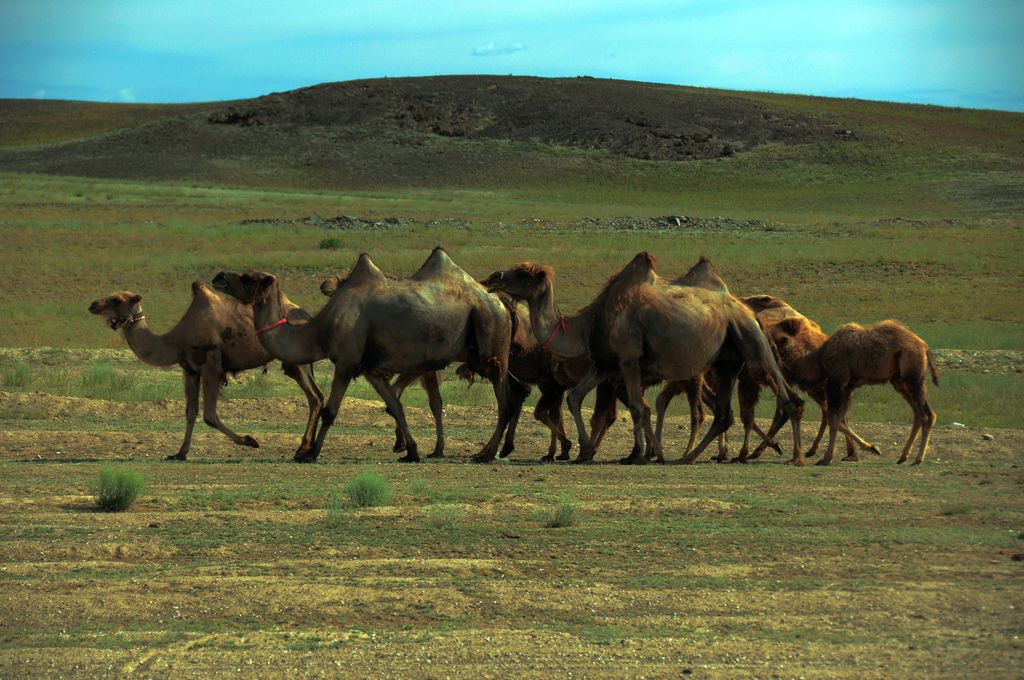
(931, 367)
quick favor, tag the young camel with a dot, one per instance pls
(798, 369)
(376, 327)
(647, 329)
(854, 356)
(213, 338)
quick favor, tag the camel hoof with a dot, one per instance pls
(181, 456)
(580, 460)
(633, 460)
(548, 459)
(250, 442)
(811, 453)
(774, 446)
(901, 461)
(563, 456)
(853, 459)
(823, 461)
(916, 462)
(799, 462)
(306, 459)
(482, 458)
(409, 458)
(398, 448)
(739, 459)
(435, 454)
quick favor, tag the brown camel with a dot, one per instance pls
(700, 391)
(376, 327)
(854, 356)
(648, 329)
(797, 369)
(430, 381)
(213, 338)
(529, 364)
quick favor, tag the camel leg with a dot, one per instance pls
(191, 381)
(665, 397)
(211, 381)
(652, 447)
(726, 376)
(605, 413)
(748, 393)
(555, 416)
(339, 385)
(398, 387)
(517, 394)
(594, 377)
(500, 383)
(387, 393)
(631, 382)
(924, 418)
(838, 399)
(432, 386)
(303, 376)
(549, 413)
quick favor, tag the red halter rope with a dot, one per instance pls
(560, 327)
(271, 326)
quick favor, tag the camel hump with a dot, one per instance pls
(762, 302)
(703, 275)
(363, 271)
(640, 269)
(199, 288)
(440, 265)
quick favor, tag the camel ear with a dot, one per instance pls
(133, 298)
(297, 317)
(791, 325)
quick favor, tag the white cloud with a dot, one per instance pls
(126, 94)
(493, 49)
(40, 94)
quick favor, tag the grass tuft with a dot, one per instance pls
(565, 514)
(331, 244)
(368, 489)
(118, 488)
(443, 516)
(334, 513)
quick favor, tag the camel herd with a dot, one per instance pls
(689, 334)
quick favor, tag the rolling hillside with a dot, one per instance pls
(578, 134)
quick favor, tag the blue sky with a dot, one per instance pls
(948, 52)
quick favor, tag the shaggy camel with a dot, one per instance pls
(376, 327)
(213, 338)
(854, 356)
(648, 329)
(797, 370)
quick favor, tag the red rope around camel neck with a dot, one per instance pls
(271, 326)
(560, 327)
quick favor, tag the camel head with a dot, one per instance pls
(795, 337)
(120, 309)
(248, 287)
(330, 284)
(524, 281)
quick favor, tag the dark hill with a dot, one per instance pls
(437, 131)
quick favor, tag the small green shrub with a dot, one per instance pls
(954, 508)
(443, 516)
(334, 514)
(17, 375)
(118, 488)
(565, 514)
(368, 489)
(330, 244)
(101, 381)
(419, 487)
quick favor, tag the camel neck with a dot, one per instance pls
(291, 344)
(562, 336)
(151, 348)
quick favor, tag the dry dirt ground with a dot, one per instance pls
(228, 563)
